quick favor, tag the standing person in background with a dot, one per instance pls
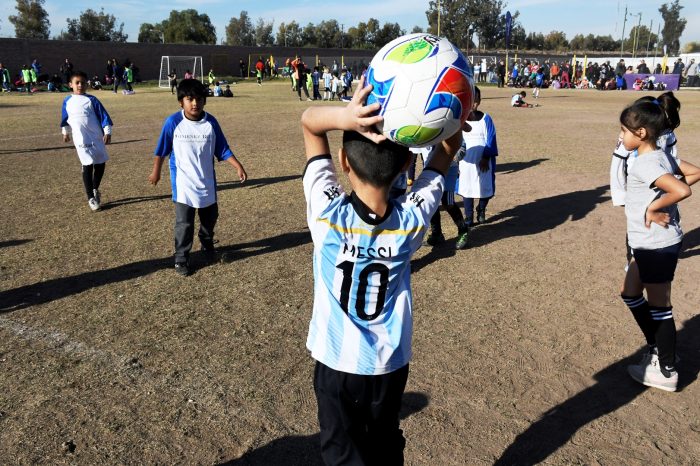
(66, 70)
(172, 79)
(129, 77)
(315, 80)
(501, 70)
(118, 73)
(691, 74)
(477, 71)
(211, 77)
(5, 79)
(27, 78)
(300, 76)
(188, 75)
(242, 67)
(259, 69)
(36, 67)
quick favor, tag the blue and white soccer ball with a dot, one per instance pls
(425, 87)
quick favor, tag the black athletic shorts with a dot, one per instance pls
(657, 265)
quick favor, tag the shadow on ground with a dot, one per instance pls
(304, 450)
(612, 390)
(62, 287)
(250, 184)
(68, 145)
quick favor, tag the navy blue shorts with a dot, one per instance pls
(657, 265)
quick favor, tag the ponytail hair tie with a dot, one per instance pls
(656, 102)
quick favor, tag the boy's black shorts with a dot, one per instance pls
(359, 416)
(657, 265)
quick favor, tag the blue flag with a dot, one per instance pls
(509, 25)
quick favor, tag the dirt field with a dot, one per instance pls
(520, 346)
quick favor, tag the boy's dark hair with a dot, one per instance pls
(477, 94)
(655, 115)
(191, 88)
(376, 164)
(523, 93)
(81, 74)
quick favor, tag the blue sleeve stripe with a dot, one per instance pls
(165, 142)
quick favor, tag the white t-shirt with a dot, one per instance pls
(192, 147)
(89, 122)
(362, 312)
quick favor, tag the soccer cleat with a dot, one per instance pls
(94, 205)
(652, 375)
(463, 237)
(434, 238)
(96, 195)
(182, 268)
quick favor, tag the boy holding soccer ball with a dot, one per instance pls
(192, 139)
(360, 330)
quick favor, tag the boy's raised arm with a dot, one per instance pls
(317, 121)
(447, 149)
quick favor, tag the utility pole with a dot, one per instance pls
(651, 25)
(636, 35)
(622, 38)
(438, 28)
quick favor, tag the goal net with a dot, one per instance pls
(181, 65)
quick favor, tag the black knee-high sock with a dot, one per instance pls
(456, 214)
(665, 333)
(88, 174)
(435, 224)
(640, 311)
(97, 177)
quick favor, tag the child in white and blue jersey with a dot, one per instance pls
(360, 330)
(656, 183)
(192, 139)
(91, 127)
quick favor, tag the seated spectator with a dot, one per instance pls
(620, 82)
(227, 91)
(630, 70)
(217, 89)
(95, 83)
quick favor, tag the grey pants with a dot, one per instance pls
(184, 229)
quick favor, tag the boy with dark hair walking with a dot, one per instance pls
(192, 139)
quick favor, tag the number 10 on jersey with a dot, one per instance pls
(360, 291)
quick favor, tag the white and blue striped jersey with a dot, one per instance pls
(192, 147)
(89, 122)
(362, 312)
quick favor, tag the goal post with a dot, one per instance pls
(181, 64)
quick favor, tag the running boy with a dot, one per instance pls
(654, 235)
(92, 129)
(360, 331)
(192, 139)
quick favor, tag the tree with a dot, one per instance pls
(308, 35)
(151, 33)
(188, 27)
(691, 47)
(416, 29)
(263, 33)
(328, 34)
(31, 20)
(240, 31)
(644, 37)
(94, 26)
(289, 35)
(387, 33)
(555, 40)
(674, 26)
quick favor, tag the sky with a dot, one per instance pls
(598, 17)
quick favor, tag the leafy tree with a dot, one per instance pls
(387, 33)
(308, 35)
(31, 20)
(151, 33)
(691, 47)
(188, 27)
(240, 31)
(607, 43)
(674, 26)
(263, 33)
(644, 36)
(92, 25)
(328, 34)
(416, 30)
(289, 35)
(555, 40)
(534, 41)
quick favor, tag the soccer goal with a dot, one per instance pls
(181, 65)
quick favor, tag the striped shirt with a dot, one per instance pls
(362, 312)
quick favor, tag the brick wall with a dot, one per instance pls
(92, 57)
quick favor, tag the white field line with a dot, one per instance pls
(56, 134)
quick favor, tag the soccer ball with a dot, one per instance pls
(425, 88)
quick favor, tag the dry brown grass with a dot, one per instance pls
(520, 342)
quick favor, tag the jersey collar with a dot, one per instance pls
(365, 213)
